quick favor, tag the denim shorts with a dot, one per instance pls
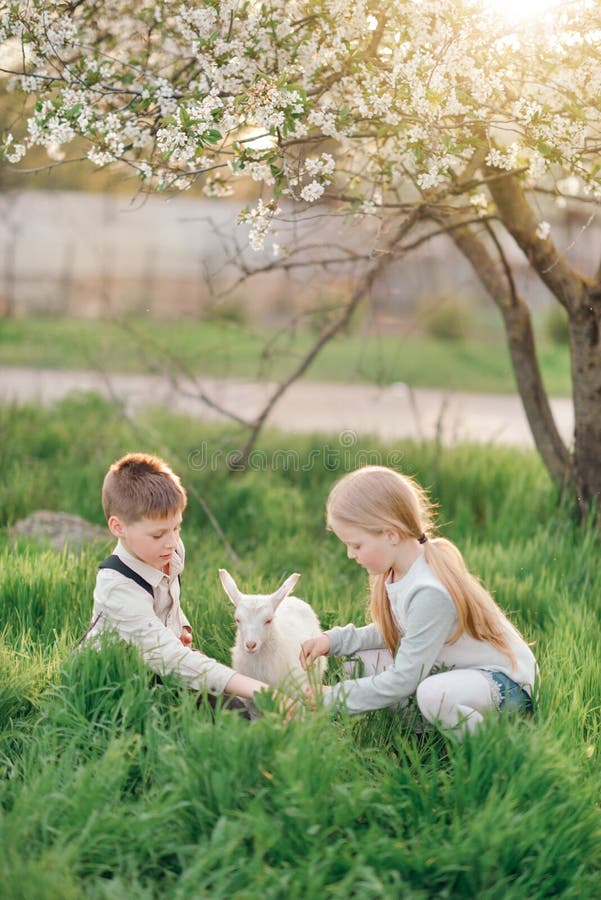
(509, 694)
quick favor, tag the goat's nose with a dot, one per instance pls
(251, 646)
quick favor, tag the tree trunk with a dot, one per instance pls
(581, 298)
(585, 346)
(497, 280)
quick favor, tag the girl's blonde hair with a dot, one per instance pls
(379, 499)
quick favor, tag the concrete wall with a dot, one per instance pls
(88, 254)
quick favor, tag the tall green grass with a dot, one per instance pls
(114, 787)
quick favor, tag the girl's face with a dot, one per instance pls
(375, 552)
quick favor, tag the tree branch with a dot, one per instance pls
(568, 286)
(170, 372)
(327, 333)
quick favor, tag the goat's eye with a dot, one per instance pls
(267, 621)
(237, 620)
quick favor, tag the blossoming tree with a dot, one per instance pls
(429, 115)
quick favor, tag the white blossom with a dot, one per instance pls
(504, 159)
(570, 185)
(261, 222)
(217, 187)
(260, 172)
(320, 165)
(181, 100)
(479, 202)
(312, 192)
(99, 156)
(55, 152)
(14, 153)
(537, 165)
(543, 230)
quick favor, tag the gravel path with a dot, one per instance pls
(346, 410)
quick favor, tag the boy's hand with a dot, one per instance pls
(313, 694)
(186, 636)
(286, 706)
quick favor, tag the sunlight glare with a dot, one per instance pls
(259, 139)
(11, 54)
(520, 10)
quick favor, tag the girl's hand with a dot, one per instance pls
(186, 636)
(312, 648)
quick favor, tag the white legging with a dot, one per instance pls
(455, 700)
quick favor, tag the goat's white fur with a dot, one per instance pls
(270, 632)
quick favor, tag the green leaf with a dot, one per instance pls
(73, 111)
(212, 136)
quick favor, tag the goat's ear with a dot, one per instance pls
(284, 589)
(229, 586)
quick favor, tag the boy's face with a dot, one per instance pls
(150, 540)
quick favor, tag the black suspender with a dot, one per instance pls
(116, 563)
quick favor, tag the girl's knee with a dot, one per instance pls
(455, 699)
(430, 698)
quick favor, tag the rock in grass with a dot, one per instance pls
(58, 529)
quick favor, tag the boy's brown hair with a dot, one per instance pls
(140, 486)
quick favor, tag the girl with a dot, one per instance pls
(427, 611)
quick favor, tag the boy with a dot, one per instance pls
(137, 590)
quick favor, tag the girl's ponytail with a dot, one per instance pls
(381, 613)
(477, 612)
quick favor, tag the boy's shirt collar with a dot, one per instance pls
(149, 573)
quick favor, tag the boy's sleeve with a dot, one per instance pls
(128, 610)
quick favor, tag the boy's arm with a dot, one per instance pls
(244, 686)
(128, 610)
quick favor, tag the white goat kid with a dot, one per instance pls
(270, 633)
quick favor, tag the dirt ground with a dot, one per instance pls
(344, 412)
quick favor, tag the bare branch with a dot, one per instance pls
(47, 167)
(170, 371)
(445, 229)
(327, 333)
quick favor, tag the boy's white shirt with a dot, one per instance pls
(154, 625)
(426, 617)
